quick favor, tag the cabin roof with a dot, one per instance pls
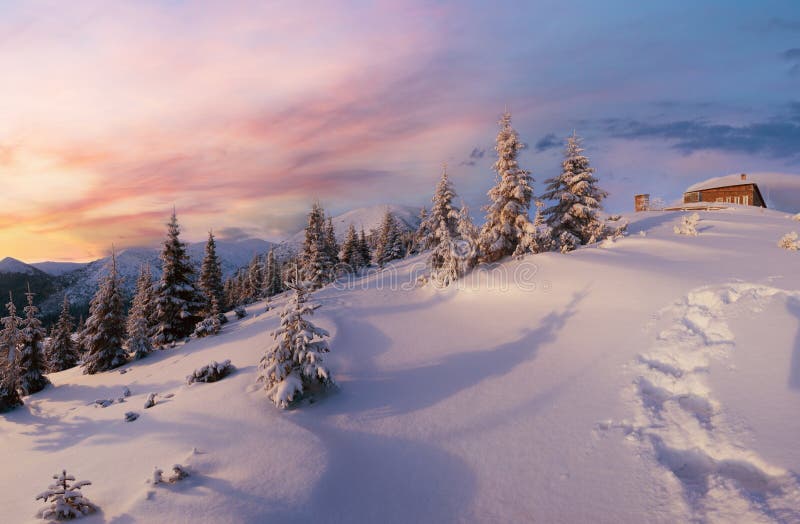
(722, 181)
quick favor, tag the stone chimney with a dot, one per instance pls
(744, 176)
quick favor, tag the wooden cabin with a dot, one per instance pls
(731, 189)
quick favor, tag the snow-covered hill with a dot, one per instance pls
(370, 218)
(654, 379)
(57, 269)
(12, 265)
(82, 283)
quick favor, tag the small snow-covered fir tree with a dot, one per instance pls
(363, 247)
(316, 261)
(789, 241)
(510, 199)
(423, 237)
(351, 252)
(62, 351)
(11, 337)
(688, 225)
(272, 275)
(139, 329)
(331, 245)
(390, 241)
(143, 304)
(104, 333)
(9, 344)
(576, 198)
(255, 279)
(467, 244)
(9, 396)
(210, 325)
(293, 365)
(443, 216)
(178, 302)
(210, 282)
(31, 364)
(64, 499)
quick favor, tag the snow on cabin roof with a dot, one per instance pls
(722, 181)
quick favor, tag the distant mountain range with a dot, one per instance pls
(51, 280)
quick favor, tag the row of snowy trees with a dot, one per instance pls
(262, 278)
(572, 220)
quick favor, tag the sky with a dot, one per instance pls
(241, 114)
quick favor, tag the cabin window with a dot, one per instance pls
(746, 199)
(719, 199)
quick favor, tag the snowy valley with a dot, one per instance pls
(653, 378)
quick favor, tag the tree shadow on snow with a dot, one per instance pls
(407, 390)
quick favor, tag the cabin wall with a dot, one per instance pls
(744, 194)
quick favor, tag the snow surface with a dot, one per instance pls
(653, 379)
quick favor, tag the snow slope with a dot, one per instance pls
(12, 265)
(83, 283)
(654, 379)
(57, 269)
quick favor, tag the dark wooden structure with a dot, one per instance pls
(641, 202)
(735, 189)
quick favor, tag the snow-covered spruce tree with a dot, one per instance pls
(293, 365)
(210, 282)
(9, 344)
(315, 260)
(390, 242)
(11, 337)
(139, 329)
(331, 245)
(211, 325)
(62, 351)
(424, 235)
(443, 220)
(64, 499)
(9, 396)
(363, 247)
(255, 279)
(272, 275)
(31, 364)
(510, 199)
(104, 333)
(576, 200)
(178, 302)
(351, 254)
(143, 303)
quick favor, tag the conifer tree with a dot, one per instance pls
(254, 279)
(31, 363)
(272, 275)
(443, 216)
(331, 245)
(315, 259)
(210, 325)
(576, 200)
(178, 301)
(510, 198)
(143, 303)
(104, 333)
(363, 246)
(11, 337)
(62, 352)
(351, 254)
(390, 243)
(139, 329)
(64, 499)
(293, 365)
(227, 288)
(467, 246)
(210, 282)
(423, 238)
(9, 342)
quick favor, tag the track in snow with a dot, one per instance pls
(680, 424)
